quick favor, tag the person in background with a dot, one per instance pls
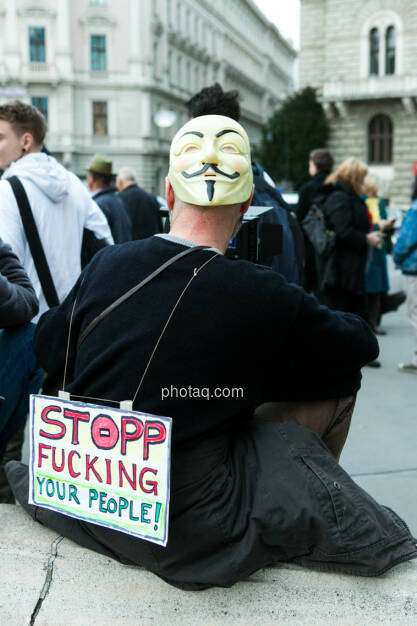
(19, 373)
(100, 181)
(376, 279)
(141, 206)
(319, 167)
(60, 203)
(348, 217)
(405, 257)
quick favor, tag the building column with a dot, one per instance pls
(12, 50)
(63, 55)
(135, 56)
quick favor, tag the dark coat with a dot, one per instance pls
(143, 210)
(307, 192)
(244, 493)
(18, 301)
(348, 217)
(113, 208)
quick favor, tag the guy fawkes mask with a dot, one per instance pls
(210, 163)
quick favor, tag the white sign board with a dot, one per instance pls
(102, 465)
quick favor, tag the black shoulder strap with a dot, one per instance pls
(34, 242)
(132, 291)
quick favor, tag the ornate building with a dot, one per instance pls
(101, 69)
(361, 57)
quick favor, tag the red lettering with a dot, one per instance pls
(89, 465)
(130, 436)
(42, 446)
(153, 485)
(122, 470)
(48, 420)
(54, 465)
(73, 474)
(76, 416)
(104, 432)
(149, 439)
(108, 467)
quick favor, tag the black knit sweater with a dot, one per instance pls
(238, 326)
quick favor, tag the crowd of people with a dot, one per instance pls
(254, 479)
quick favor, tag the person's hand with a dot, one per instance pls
(386, 224)
(373, 238)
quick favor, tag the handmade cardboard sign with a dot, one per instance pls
(102, 465)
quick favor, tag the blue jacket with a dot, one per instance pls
(405, 250)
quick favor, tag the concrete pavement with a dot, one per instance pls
(49, 581)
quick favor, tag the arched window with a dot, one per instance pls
(390, 50)
(374, 52)
(380, 139)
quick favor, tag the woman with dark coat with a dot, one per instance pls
(348, 217)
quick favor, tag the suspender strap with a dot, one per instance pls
(132, 291)
(35, 245)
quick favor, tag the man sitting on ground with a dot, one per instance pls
(245, 492)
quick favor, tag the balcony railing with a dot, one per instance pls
(373, 87)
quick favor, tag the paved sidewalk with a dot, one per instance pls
(381, 450)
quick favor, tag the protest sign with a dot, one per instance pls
(102, 465)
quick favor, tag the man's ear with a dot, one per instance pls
(169, 194)
(27, 142)
(245, 205)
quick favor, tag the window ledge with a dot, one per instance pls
(371, 87)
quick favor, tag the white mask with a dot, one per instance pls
(210, 163)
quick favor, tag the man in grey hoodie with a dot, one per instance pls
(60, 203)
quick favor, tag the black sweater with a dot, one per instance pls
(238, 326)
(18, 302)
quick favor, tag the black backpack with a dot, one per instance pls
(322, 238)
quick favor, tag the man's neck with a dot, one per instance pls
(204, 233)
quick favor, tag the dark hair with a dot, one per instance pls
(104, 180)
(214, 101)
(322, 159)
(24, 118)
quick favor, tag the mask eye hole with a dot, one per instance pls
(189, 148)
(230, 148)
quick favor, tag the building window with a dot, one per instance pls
(374, 52)
(100, 119)
(98, 53)
(380, 139)
(37, 45)
(390, 50)
(41, 103)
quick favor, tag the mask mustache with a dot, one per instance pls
(204, 169)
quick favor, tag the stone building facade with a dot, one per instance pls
(361, 56)
(102, 69)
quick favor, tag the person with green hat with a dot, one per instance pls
(100, 180)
